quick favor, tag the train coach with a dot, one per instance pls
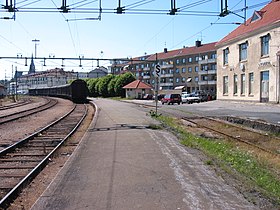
(77, 91)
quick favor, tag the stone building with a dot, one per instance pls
(248, 58)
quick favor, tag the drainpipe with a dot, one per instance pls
(278, 77)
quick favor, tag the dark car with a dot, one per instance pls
(160, 96)
(171, 99)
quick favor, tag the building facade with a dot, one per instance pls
(49, 78)
(190, 68)
(248, 58)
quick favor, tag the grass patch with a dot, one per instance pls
(231, 159)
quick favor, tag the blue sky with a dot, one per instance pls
(115, 36)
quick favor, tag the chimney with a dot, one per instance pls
(197, 43)
(165, 50)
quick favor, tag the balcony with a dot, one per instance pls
(166, 75)
(166, 84)
(207, 72)
(211, 82)
(165, 66)
(206, 61)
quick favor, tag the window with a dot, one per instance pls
(196, 58)
(213, 56)
(242, 84)
(184, 60)
(213, 67)
(196, 79)
(225, 85)
(183, 79)
(265, 45)
(225, 56)
(196, 69)
(204, 67)
(243, 51)
(235, 82)
(183, 70)
(177, 70)
(251, 82)
(190, 69)
(177, 80)
(177, 61)
(190, 59)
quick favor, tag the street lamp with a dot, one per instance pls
(35, 41)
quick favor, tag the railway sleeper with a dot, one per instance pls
(18, 160)
(8, 167)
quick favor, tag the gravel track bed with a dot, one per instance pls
(36, 101)
(31, 193)
(13, 131)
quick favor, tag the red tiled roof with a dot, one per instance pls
(270, 14)
(137, 84)
(184, 51)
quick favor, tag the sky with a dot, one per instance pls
(115, 35)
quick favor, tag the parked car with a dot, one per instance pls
(202, 95)
(148, 97)
(190, 98)
(171, 99)
(160, 96)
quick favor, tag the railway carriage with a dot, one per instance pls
(77, 91)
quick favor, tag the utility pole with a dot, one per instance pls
(35, 41)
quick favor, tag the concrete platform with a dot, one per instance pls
(121, 164)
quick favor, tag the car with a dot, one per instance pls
(171, 99)
(160, 96)
(148, 97)
(202, 95)
(190, 98)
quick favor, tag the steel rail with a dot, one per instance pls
(14, 105)
(231, 136)
(14, 116)
(12, 194)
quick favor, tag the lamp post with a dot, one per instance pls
(35, 41)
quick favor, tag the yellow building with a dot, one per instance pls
(248, 59)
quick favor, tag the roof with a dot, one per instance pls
(260, 19)
(184, 51)
(137, 84)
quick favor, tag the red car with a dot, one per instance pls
(171, 99)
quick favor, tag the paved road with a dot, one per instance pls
(254, 111)
(122, 165)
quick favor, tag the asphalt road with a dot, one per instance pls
(255, 111)
(122, 165)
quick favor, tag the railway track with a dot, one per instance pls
(14, 105)
(22, 161)
(262, 141)
(17, 115)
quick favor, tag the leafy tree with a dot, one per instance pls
(123, 80)
(92, 87)
(111, 86)
(102, 85)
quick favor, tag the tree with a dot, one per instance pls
(111, 86)
(102, 85)
(123, 80)
(92, 87)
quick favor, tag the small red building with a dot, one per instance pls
(137, 89)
